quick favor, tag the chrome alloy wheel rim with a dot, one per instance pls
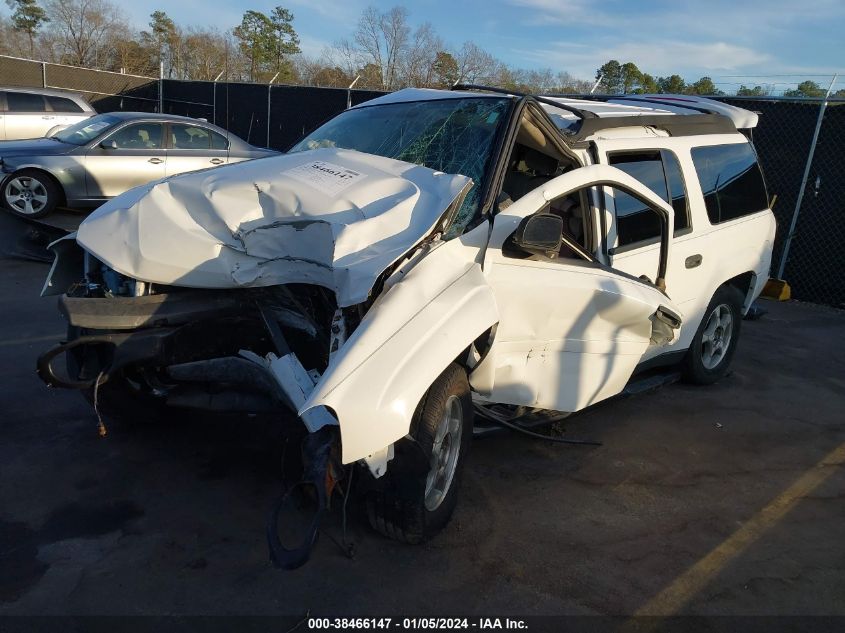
(716, 338)
(26, 195)
(444, 453)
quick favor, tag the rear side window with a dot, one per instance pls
(218, 141)
(60, 104)
(731, 181)
(660, 171)
(189, 137)
(25, 102)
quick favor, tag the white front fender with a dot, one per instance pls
(409, 336)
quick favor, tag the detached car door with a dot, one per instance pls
(571, 330)
(193, 147)
(130, 156)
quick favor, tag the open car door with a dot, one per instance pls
(571, 329)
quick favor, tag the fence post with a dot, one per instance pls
(269, 88)
(43, 74)
(349, 92)
(794, 222)
(214, 97)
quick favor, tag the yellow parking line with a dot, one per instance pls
(33, 339)
(674, 597)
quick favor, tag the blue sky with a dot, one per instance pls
(694, 38)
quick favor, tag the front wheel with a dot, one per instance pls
(30, 193)
(421, 490)
(714, 345)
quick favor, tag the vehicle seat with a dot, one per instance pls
(570, 211)
(150, 139)
(529, 170)
(180, 139)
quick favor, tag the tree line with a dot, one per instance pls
(383, 52)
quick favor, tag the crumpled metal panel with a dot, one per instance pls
(332, 217)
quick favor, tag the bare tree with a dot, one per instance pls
(204, 52)
(475, 65)
(418, 63)
(12, 41)
(381, 40)
(83, 27)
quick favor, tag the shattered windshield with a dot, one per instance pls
(454, 136)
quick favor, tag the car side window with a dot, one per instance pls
(660, 171)
(218, 141)
(61, 104)
(189, 137)
(731, 181)
(138, 136)
(25, 102)
(677, 190)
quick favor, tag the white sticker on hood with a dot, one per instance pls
(324, 176)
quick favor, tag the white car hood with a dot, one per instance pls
(332, 217)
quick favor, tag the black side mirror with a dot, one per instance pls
(540, 234)
(109, 144)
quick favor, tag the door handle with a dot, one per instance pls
(216, 161)
(155, 161)
(692, 261)
(48, 118)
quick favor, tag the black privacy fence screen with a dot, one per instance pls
(799, 141)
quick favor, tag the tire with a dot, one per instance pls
(714, 345)
(421, 490)
(30, 193)
(117, 401)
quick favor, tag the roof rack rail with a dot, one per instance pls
(688, 125)
(675, 103)
(581, 114)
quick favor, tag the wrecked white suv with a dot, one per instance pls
(418, 259)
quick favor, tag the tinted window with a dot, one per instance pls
(635, 222)
(138, 136)
(660, 171)
(189, 137)
(25, 102)
(60, 104)
(731, 181)
(218, 141)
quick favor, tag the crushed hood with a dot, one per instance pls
(332, 217)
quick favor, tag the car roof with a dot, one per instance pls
(51, 92)
(42, 91)
(126, 116)
(655, 104)
(580, 117)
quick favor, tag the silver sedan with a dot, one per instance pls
(85, 164)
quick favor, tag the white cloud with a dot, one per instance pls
(655, 57)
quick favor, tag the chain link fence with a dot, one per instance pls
(276, 116)
(106, 91)
(812, 197)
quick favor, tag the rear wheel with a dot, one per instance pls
(711, 353)
(30, 193)
(419, 498)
